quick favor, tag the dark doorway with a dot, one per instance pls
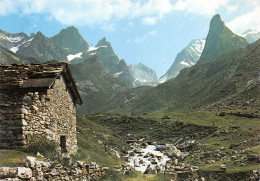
(63, 144)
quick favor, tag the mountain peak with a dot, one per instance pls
(70, 40)
(216, 24)
(39, 34)
(216, 18)
(103, 42)
(220, 39)
(70, 29)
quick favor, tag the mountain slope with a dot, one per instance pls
(96, 86)
(7, 57)
(143, 75)
(186, 58)
(41, 48)
(231, 79)
(110, 61)
(13, 41)
(70, 40)
(220, 39)
(251, 35)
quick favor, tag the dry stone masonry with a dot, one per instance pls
(43, 170)
(38, 99)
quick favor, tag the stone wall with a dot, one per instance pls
(46, 112)
(11, 119)
(31, 169)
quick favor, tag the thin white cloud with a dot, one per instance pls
(246, 21)
(141, 39)
(7, 7)
(88, 12)
(109, 27)
(150, 20)
(232, 8)
(200, 7)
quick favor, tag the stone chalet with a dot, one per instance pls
(38, 99)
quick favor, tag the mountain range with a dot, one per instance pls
(231, 80)
(221, 68)
(68, 46)
(218, 31)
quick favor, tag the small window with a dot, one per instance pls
(63, 144)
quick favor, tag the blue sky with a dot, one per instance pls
(147, 31)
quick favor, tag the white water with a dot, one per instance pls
(134, 161)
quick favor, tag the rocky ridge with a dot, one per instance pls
(186, 58)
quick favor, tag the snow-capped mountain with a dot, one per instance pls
(143, 74)
(13, 41)
(69, 46)
(110, 61)
(251, 35)
(8, 57)
(186, 58)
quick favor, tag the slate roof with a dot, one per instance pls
(35, 76)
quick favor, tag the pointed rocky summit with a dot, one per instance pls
(220, 39)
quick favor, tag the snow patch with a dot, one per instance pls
(192, 63)
(14, 49)
(71, 57)
(15, 39)
(11, 39)
(185, 63)
(198, 46)
(95, 48)
(92, 49)
(117, 74)
(94, 53)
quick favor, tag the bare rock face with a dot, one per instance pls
(220, 39)
(186, 58)
(143, 75)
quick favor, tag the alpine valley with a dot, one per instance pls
(199, 121)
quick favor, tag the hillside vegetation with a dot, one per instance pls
(231, 81)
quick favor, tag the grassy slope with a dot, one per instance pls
(93, 138)
(225, 79)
